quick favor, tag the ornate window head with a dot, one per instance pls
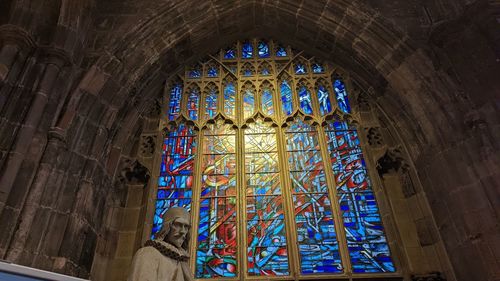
(261, 146)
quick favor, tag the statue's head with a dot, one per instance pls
(176, 227)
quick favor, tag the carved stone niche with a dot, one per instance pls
(133, 172)
(393, 161)
(374, 136)
(148, 143)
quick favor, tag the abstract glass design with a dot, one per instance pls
(212, 71)
(211, 104)
(175, 102)
(324, 100)
(263, 49)
(247, 50)
(216, 254)
(300, 68)
(317, 68)
(266, 238)
(193, 103)
(229, 99)
(286, 98)
(281, 51)
(366, 240)
(230, 53)
(316, 235)
(248, 103)
(175, 182)
(341, 93)
(305, 100)
(267, 101)
(195, 72)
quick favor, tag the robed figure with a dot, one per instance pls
(165, 258)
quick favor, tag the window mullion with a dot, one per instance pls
(241, 208)
(196, 197)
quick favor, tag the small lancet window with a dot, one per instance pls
(212, 71)
(342, 99)
(211, 102)
(286, 98)
(300, 68)
(325, 105)
(305, 100)
(193, 103)
(267, 100)
(195, 72)
(175, 102)
(230, 53)
(318, 68)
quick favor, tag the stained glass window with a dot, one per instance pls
(282, 188)
(216, 253)
(248, 102)
(324, 100)
(175, 182)
(247, 50)
(286, 97)
(317, 239)
(193, 103)
(366, 240)
(305, 100)
(229, 99)
(195, 72)
(175, 102)
(342, 99)
(267, 101)
(211, 102)
(263, 49)
(267, 248)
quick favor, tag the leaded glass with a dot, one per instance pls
(341, 93)
(366, 241)
(247, 50)
(193, 104)
(175, 182)
(316, 235)
(324, 100)
(285, 213)
(230, 53)
(248, 103)
(263, 49)
(211, 103)
(216, 254)
(266, 249)
(212, 71)
(229, 99)
(286, 98)
(267, 101)
(300, 68)
(305, 100)
(281, 51)
(175, 102)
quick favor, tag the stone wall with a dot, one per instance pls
(77, 81)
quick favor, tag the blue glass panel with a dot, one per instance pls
(176, 173)
(230, 53)
(247, 50)
(300, 68)
(247, 72)
(194, 73)
(229, 99)
(316, 235)
(211, 104)
(324, 100)
(265, 71)
(286, 98)
(305, 100)
(175, 102)
(342, 99)
(212, 71)
(281, 51)
(267, 102)
(263, 49)
(318, 68)
(193, 104)
(366, 240)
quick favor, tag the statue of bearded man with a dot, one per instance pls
(165, 258)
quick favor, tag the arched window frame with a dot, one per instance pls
(281, 66)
